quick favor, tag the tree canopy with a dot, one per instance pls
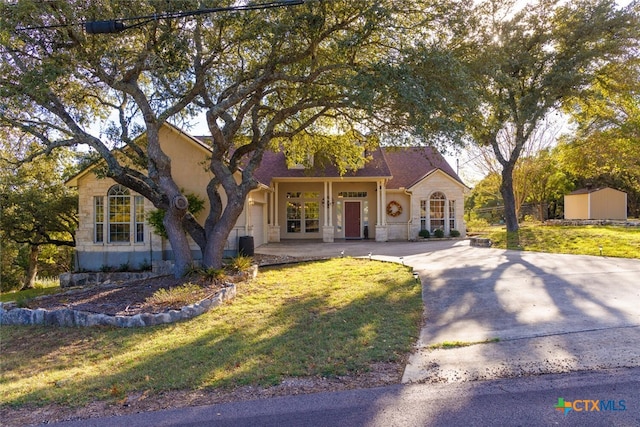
(37, 208)
(264, 78)
(526, 63)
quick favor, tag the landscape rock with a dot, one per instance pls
(12, 315)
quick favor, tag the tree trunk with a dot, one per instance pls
(32, 272)
(160, 171)
(177, 236)
(218, 233)
(506, 190)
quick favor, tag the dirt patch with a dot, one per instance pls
(131, 298)
(124, 299)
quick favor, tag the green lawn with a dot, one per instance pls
(42, 287)
(323, 318)
(621, 242)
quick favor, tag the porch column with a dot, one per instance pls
(325, 200)
(331, 204)
(327, 229)
(275, 206)
(381, 227)
(384, 203)
(378, 203)
(274, 227)
(271, 222)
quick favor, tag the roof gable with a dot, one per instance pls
(73, 181)
(589, 190)
(274, 165)
(410, 165)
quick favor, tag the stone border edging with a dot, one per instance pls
(480, 242)
(69, 318)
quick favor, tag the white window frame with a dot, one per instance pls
(109, 213)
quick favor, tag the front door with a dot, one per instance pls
(352, 220)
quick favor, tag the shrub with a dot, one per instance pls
(240, 263)
(439, 233)
(213, 273)
(424, 233)
(477, 224)
(156, 217)
(180, 295)
(454, 233)
(145, 265)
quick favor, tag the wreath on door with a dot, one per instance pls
(394, 208)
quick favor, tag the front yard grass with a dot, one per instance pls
(318, 319)
(623, 242)
(44, 286)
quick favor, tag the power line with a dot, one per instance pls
(119, 25)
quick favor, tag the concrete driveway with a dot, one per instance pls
(549, 313)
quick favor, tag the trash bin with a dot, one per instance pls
(245, 246)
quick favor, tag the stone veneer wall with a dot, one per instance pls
(70, 280)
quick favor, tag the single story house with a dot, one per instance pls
(596, 203)
(398, 192)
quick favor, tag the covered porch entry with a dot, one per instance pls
(327, 209)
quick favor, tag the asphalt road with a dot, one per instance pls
(527, 401)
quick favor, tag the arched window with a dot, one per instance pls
(121, 218)
(119, 214)
(437, 203)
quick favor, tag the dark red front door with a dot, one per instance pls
(352, 220)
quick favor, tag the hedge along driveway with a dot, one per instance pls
(315, 319)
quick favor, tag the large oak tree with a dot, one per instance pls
(264, 78)
(526, 63)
